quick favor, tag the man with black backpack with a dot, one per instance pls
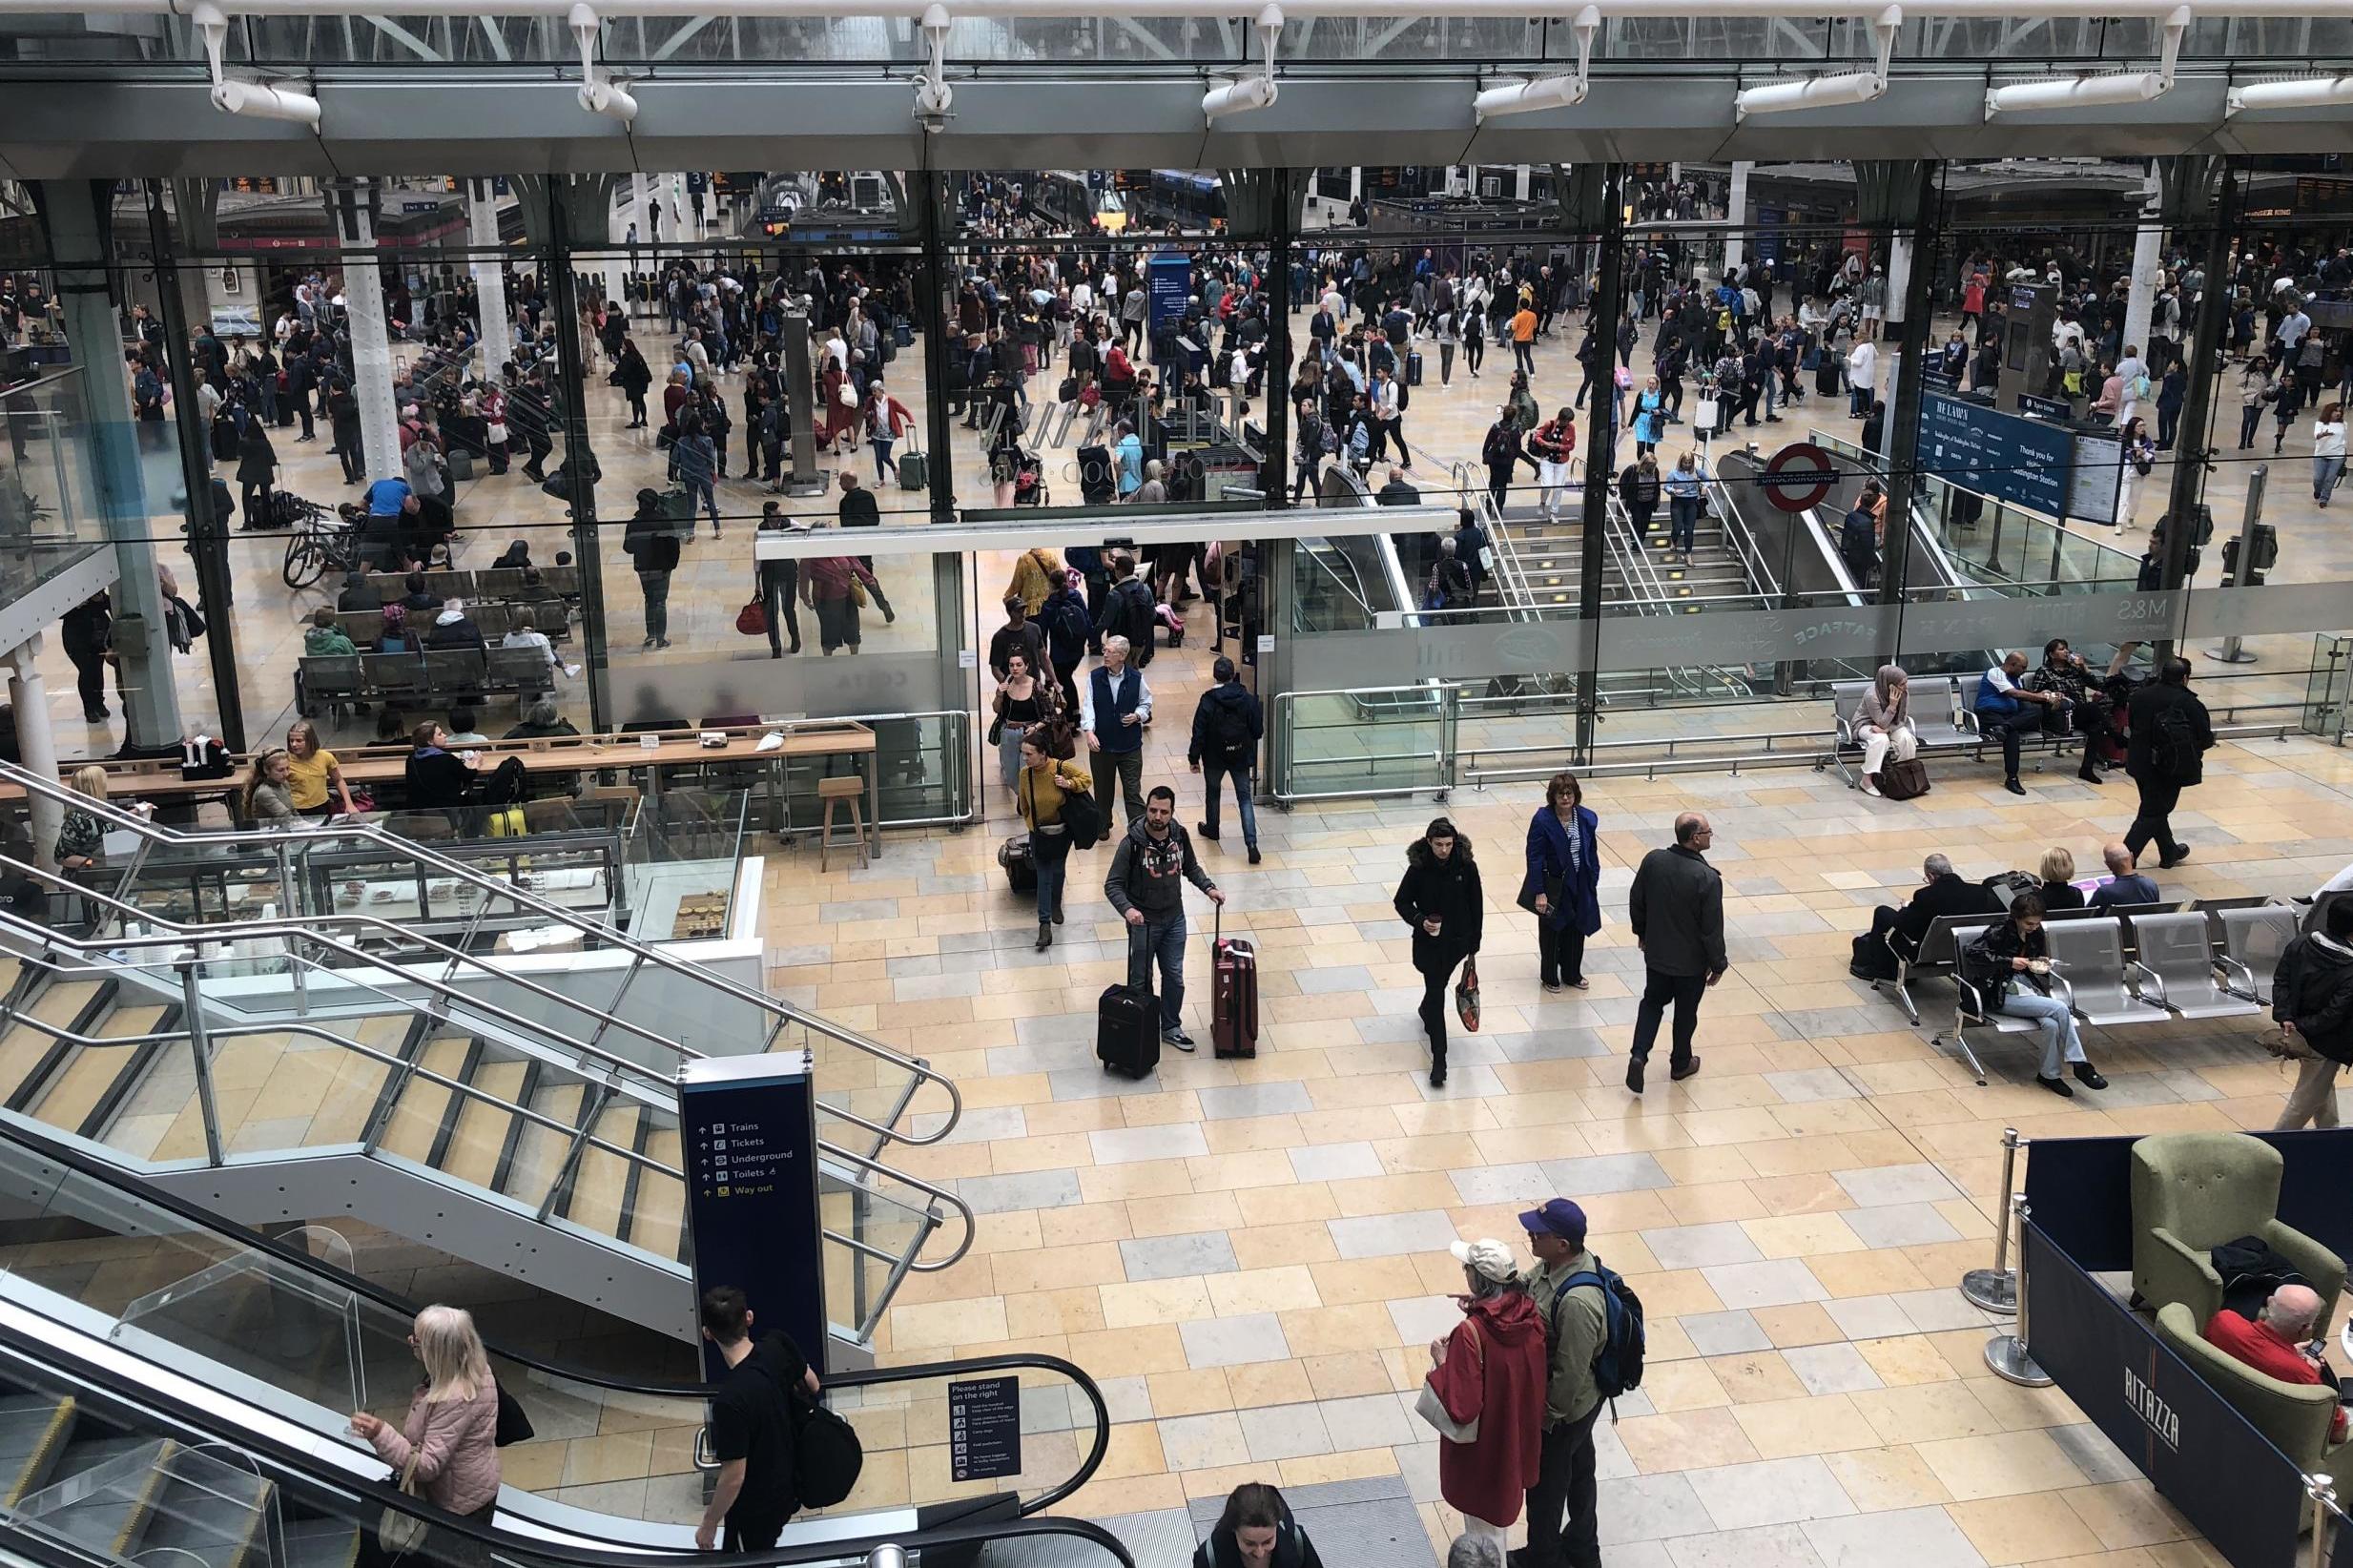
(1130, 610)
(751, 1428)
(1227, 725)
(2165, 754)
(1593, 1324)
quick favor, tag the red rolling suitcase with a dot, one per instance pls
(1233, 1009)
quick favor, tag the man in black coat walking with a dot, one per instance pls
(2171, 733)
(1675, 908)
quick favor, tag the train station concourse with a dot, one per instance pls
(758, 762)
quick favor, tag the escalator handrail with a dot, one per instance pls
(376, 1495)
(88, 1166)
(645, 952)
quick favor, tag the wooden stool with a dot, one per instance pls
(833, 791)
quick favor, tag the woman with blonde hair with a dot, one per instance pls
(2059, 880)
(267, 800)
(1034, 576)
(318, 787)
(451, 1433)
(81, 837)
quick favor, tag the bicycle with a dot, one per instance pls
(323, 540)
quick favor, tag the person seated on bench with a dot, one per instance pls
(419, 597)
(540, 722)
(2059, 880)
(515, 556)
(1883, 719)
(2006, 709)
(2086, 707)
(462, 730)
(523, 632)
(453, 628)
(397, 636)
(325, 637)
(2280, 1342)
(2125, 885)
(1943, 891)
(361, 591)
(2001, 965)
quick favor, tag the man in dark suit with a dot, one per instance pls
(2171, 733)
(1943, 891)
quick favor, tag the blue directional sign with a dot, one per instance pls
(1169, 287)
(748, 1127)
(2022, 460)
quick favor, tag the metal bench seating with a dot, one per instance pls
(1934, 719)
(1938, 954)
(1968, 1014)
(2107, 985)
(1964, 715)
(2252, 943)
(2178, 956)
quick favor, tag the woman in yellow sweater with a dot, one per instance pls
(1047, 779)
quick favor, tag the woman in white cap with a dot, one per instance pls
(1485, 1392)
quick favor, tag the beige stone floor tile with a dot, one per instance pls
(1886, 1479)
(1078, 1310)
(1800, 1323)
(1347, 1375)
(1676, 1294)
(2001, 1465)
(1352, 1280)
(1925, 1412)
(1689, 1439)
(1184, 1215)
(2030, 1529)
(1262, 1383)
(1306, 1243)
(1287, 1289)
(1136, 1352)
(1906, 1359)
(1862, 1273)
(2127, 1514)
(1785, 1428)
(1677, 1386)
(1080, 1225)
(1090, 1263)
(1294, 1204)
(1802, 1235)
(1333, 1330)
(1753, 1378)
(1161, 1301)
(1349, 1465)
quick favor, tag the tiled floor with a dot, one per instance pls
(1253, 1252)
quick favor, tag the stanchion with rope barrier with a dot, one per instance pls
(2006, 1354)
(2327, 1517)
(1996, 1290)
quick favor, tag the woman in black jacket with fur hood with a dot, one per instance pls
(1440, 899)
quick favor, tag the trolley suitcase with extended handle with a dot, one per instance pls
(1233, 1009)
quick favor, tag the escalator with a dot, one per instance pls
(174, 1391)
(520, 1115)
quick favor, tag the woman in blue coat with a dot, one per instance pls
(1562, 889)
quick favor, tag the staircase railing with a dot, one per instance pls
(99, 960)
(781, 1015)
(1647, 593)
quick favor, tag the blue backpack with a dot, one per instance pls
(1618, 1364)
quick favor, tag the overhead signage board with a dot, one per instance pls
(2025, 461)
(749, 1137)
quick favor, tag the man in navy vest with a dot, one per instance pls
(1115, 704)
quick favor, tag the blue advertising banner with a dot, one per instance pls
(2081, 1192)
(2009, 458)
(2209, 1461)
(1169, 284)
(749, 1134)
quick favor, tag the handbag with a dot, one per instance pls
(1903, 781)
(1433, 1410)
(752, 619)
(397, 1529)
(1466, 996)
(515, 1422)
(858, 593)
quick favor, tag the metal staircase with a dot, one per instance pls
(326, 1062)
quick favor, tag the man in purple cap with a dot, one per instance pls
(1563, 1530)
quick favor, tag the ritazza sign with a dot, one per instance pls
(2205, 1459)
(2163, 1421)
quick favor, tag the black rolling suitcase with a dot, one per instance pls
(1128, 1031)
(1412, 368)
(1020, 871)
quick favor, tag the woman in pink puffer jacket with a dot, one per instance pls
(452, 1424)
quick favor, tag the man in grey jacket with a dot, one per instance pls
(1146, 886)
(1675, 908)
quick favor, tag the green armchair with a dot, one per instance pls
(2192, 1191)
(2294, 1415)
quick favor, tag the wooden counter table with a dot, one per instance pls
(159, 779)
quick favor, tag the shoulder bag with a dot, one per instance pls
(1466, 996)
(1433, 1410)
(397, 1531)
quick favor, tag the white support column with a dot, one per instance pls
(489, 274)
(1736, 210)
(36, 745)
(1891, 333)
(1519, 183)
(681, 216)
(371, 338)
(2148, 262)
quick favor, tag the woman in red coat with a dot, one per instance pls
(1491, 1369)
